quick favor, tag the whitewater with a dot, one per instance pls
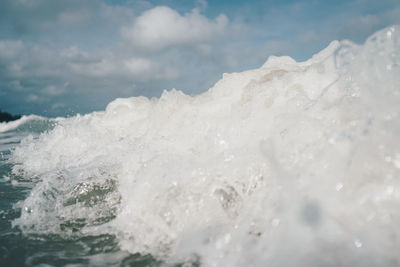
(291, 164)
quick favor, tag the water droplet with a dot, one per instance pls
(27, 209)
(358, 243)
(339, 186)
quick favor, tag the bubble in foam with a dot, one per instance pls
(285, 165)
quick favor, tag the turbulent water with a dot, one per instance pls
(291, 164)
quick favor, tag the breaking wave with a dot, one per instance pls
(291, 164)
(31, 123)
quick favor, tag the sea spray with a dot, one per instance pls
(291, 164)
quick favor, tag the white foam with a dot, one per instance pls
(11, 125)
(292, 164)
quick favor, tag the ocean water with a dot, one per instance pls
(291, 164)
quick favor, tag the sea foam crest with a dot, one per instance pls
(291, 164)
(13, 125)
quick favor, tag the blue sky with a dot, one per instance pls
(64, 57)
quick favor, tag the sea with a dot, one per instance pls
(290, 164)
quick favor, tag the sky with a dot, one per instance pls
(59, 58)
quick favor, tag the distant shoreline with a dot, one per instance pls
(6, 117)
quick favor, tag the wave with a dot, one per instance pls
(291, 164)
(30, 123)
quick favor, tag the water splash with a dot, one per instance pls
(291, 164)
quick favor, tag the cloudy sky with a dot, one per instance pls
(59, 58)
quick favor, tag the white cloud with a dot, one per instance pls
(161, 27)
(137, 66)
(103, 68)
(199, 51)
(9, 48)
(33, 98)
(53, 90)
(85, 53)
(160, 49)
(48, 72)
